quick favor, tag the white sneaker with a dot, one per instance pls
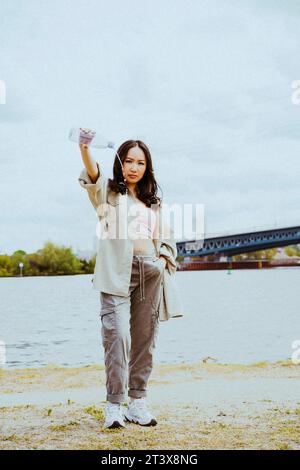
(114, 416)
(137, 412)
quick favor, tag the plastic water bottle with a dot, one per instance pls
(90, 138)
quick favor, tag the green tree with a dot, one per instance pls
(88, 266)
(54, 259)
(6, 266)
(291, 251)
(17, 257)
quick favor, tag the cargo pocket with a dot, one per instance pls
(107, 329)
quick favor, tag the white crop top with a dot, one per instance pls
(143, 225)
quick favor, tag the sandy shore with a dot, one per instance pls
(198, 406)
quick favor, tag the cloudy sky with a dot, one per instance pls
(206, 84)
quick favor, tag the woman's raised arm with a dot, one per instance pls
(85, 138)
(89, 163)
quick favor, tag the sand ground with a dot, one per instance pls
(198, 406)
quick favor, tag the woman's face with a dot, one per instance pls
(134, 165)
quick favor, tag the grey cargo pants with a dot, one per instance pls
(129, 327)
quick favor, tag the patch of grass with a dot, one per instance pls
(260, 364)
(293, 431)
(283, 446)
(287, 411)
(63, 427)
(97, 413)
(287, 363)
(11, 437)
(4, 409)
(285, 433)
(222, 425)
(240, 445)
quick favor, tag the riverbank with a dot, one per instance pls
(236, 265)
(198, 406)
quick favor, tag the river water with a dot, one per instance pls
(242, 317)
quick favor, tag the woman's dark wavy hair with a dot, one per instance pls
(147, 186)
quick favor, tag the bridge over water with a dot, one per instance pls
(240, 243)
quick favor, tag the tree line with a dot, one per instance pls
(55, 260)
(48, 261)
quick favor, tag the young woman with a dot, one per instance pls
(129, 273)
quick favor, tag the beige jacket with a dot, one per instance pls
(112, 272)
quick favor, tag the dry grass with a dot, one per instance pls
(263, 423)
(76, 427)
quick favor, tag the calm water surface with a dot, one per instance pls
(248, 316)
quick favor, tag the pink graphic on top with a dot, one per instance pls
(145, 223)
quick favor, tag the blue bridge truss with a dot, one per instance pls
(240, 243)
